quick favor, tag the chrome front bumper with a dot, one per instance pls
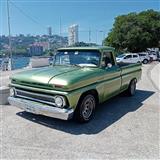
(39, 108)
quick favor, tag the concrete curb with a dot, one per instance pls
(4, 94)
(155, 76)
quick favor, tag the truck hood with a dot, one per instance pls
(63, 78)
(42, 75)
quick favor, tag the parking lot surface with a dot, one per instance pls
(123, 127)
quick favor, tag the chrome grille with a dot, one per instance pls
(38, 97)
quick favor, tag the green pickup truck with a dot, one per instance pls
(80, 79)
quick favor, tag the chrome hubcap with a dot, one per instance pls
(145, 61)
(89, 105)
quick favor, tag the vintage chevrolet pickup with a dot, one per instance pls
(80, 79)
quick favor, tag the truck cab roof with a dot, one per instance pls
(99, 48)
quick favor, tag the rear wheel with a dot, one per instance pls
(132, 88)
(145, 61)
(85, 109)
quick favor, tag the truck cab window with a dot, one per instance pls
(108, 59)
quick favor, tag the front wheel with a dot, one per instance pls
(132, 88)
(145, 61)
(85, 109)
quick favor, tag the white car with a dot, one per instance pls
(158, 56)
(153, 56)
(128, 58)
(144, 57)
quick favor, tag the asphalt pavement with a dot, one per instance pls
(123, 128)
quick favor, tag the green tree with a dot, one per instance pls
(135, 32)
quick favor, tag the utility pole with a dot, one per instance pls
(9, 34)
(103, 34)
(60, 27)
(89, 35)
(96, 36)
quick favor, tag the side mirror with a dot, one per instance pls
(109, 65)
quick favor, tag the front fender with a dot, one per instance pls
(74, 96)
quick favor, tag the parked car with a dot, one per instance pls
(153, 56)
(159, 56)
(144, 57)
(128, 58)
(78, 81)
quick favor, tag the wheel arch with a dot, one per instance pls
(91, 91)
(133, 79)
(78, 116)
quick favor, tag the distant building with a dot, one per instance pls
(49, 31)
(73, 34)
(38, 48)
(45, 45)
(35, 50)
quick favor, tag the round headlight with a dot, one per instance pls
(59, 101)
(12, 92)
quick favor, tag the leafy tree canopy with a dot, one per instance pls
(135, 31)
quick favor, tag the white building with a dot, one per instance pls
(73, 34)
(49, 31)
(38, 48)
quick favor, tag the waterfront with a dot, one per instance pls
(20, 62)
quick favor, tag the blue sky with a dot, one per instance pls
(33, 16)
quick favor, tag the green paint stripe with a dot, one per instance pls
(131, 72)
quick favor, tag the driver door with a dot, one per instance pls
(112, 76)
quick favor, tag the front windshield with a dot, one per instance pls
(80, 58)
(121, 56)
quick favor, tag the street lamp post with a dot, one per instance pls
(103, 32)
(9, 35)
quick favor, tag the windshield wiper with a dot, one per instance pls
(77, 65)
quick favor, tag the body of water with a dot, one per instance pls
(20, 62)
